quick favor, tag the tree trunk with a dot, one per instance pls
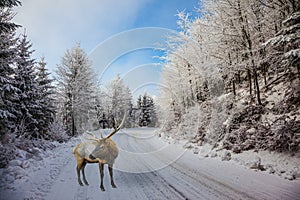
(256, 82)
(233, 87)
(298, 68)
(250, 81)
(73, 125)
(264, 68)
(239, 77)
(246, 38)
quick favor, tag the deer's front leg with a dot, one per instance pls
(101, 166)
(110, 168)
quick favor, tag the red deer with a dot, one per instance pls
(99, 150)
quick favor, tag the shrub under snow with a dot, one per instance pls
(7, 153)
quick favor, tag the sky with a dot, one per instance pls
(119, 36)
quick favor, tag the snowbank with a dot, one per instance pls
(19, 170)
(281, 164)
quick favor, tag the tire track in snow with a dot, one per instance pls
(211, 185)
(152, 184)
(166, 188)
(156, 180)
(216, 187)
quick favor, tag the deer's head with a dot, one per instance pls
(100, 149)
(103, 145)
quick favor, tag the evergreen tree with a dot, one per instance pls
(146, 107)
(24, 80)
(8, 53)
(101, 115)
(45, 99)
(6, 16)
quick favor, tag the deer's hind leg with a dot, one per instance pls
(83, 174)
(78, 168)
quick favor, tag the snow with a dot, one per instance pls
(283, 165)
(293, 53)
(148, 167)
(280, 164)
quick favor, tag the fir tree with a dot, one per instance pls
(8, 53)
(45, 99)
(147, 115)
(24, 80)
(6, 15)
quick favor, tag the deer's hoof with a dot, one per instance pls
(102, 188)
(113, 185)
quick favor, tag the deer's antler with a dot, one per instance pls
(94, 137)
(117, 128)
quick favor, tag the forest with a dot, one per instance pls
(231, 77)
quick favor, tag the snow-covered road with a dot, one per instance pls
(149, 168)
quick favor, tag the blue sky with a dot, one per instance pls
(53, 26)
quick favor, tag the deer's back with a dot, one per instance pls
(84, 148)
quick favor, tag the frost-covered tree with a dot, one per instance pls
(24, 80)
(45, 99)
(6, 26)
(8, 54)
(238, 49)
(243, 27)
(190, 75)
(117, 100)
(284, 48)
(76, 90)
